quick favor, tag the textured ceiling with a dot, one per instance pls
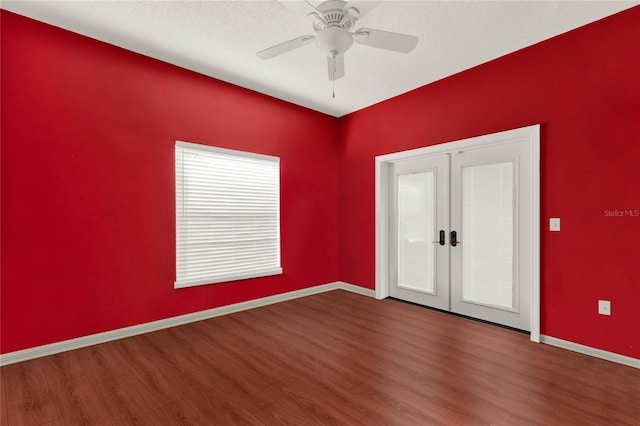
(220, 38)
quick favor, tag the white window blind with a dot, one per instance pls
(227, 215)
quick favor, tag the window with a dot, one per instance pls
(227, 215)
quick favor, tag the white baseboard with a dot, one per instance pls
(588, 350)
(121, 333)
(355, 289)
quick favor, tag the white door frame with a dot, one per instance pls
(383, 173)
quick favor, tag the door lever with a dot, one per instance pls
(454, 239)
(441, 241)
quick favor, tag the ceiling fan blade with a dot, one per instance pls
(312, 6)
(285, 47)
(335, 66)
(363, 7)
(386, 40)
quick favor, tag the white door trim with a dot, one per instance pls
(383, 167)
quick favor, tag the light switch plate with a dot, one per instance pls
(604, 307)
(554, 224)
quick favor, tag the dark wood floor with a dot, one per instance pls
(332, 358)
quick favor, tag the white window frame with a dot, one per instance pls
(225, 253)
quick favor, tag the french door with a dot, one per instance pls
(460, 232)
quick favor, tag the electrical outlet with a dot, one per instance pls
(554, 224)
(604, 307)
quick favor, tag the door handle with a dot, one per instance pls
(454, 239)
(441, 241)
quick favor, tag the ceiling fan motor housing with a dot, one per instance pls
(335, 13)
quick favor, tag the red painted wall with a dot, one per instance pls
(87, 194)
(88, 233)
(583, 87)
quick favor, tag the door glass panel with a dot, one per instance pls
(416, 231)
(487, 235)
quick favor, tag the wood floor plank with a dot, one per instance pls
(3, 399)
(100, 362)
(312, 394)
(62, 367)
(28, 399)
(220, 341)
(232, 386)
(303, 412)
(331, 358)
(122, 402)
(190, 412)
(77, 403)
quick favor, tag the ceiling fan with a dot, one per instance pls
(333, 22)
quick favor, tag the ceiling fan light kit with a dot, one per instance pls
(333, 21)
(334, 41)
